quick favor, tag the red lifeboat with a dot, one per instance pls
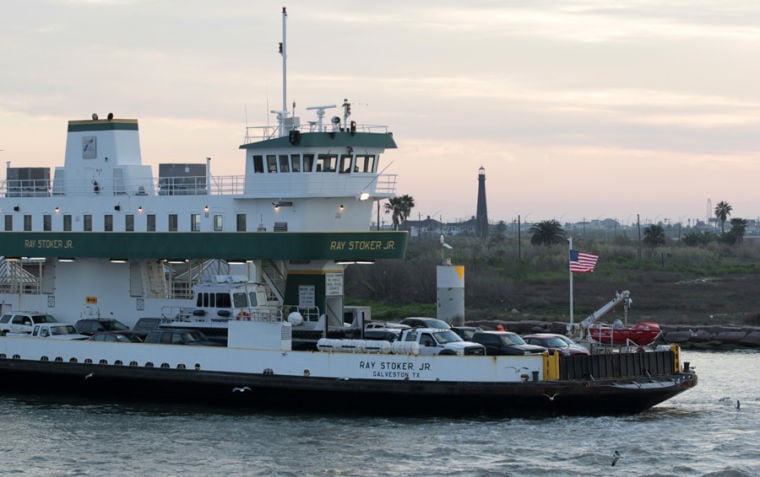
(640, 334)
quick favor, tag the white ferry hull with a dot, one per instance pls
(317, 381)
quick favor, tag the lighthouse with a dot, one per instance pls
(482, 213)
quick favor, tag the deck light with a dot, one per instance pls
(139, 210)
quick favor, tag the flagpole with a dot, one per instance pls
(570, 248)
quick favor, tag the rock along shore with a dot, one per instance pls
(687, 336)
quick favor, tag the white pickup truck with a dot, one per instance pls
(56, 331)
(440, 341)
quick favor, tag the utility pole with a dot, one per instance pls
(638, 227)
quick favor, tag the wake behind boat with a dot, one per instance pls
(261, 259)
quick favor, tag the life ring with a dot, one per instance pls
(244, 316)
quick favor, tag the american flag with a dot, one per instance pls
(581, 262)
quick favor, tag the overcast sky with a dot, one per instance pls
(576, 109)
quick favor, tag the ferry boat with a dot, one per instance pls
(103, 237)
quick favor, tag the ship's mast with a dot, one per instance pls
(284, 53)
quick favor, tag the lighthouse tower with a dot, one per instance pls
(482, 214)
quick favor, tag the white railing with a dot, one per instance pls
(270, 185)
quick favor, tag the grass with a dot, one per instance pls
(670, 284)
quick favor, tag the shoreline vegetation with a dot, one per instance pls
(710, 289)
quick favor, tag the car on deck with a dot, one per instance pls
(23, 321)
(425, 322)
(466, 332)
(556, 343)
(117, 337)
(505, 342)
(180, 336)
(90, 326)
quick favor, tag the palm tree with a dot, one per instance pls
(722, 211)
(738, 229)
(548, 232)
(399, 208)
(654, 235)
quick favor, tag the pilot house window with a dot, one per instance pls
(195, 222)
(345, 164)
(365, 163)
(308, 162)
(271, 163)
(173, 222)
(258, 164)
(327, 162)
(295, 162)
(8, 223)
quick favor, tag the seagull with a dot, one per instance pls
(517, 370)
(551, 398)
(241, 390)
(88, 376)
(615, 457)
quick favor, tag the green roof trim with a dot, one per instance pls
(328, 139)
(103, 125)
(205, 245)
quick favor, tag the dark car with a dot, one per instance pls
(146, 325)
(117, 337)
(466, 332)
(424, 322)
(180, 336)
(505, 342)
(556, 343)
(90, 326)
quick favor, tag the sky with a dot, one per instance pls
(577, 110)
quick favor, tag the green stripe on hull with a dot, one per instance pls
(203, 245)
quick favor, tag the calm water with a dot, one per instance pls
(700, 432)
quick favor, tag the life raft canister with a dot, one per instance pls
(244, 316)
